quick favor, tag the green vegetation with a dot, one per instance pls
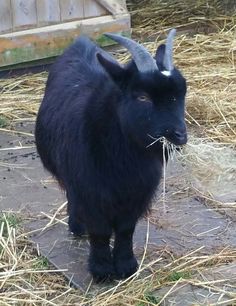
(41, 263)
(175, 276)
(3, 121)
(8, 220)
(149, 298)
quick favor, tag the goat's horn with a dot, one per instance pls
(142, 58)
(168, 57)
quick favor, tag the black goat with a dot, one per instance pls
(93, 133)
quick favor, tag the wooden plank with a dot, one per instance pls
(95, 30)
(49, 41)
(71, 9)
(113, 6)
(5, 16)
(48, 12)
(24, 14)
(93, 9)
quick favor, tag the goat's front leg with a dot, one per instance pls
(125, 264)
(100, 257)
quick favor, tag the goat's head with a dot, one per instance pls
(153, 92)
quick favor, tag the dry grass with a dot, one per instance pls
(150, 16)
(211, 169)
(20, 96)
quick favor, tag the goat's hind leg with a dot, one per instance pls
(75, 222)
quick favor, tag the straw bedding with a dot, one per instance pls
(149, 16)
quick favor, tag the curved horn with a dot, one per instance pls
(168, 57)
(142, 58)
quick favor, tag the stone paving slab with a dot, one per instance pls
(186, 294)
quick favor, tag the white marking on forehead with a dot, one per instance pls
(166, 73)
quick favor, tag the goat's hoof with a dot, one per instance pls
(77, 229)
(102, 272)
(125, 267)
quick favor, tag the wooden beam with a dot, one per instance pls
(29, 45)
(113, 6)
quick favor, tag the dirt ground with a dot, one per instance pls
(188, 225)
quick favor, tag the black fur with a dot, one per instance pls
(92, 133)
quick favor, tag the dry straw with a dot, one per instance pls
(149, 16)
(211, 168)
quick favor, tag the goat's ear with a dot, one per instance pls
(112, 67)
(159, 56)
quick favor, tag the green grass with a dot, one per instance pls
(4, 122)
(9, 220)
(41, 263)
(149, 298)
(175, 276)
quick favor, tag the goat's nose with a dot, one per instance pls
(181, 136)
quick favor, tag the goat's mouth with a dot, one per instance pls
(175, 139)
(178, 140)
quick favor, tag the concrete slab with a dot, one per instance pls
(218, 292)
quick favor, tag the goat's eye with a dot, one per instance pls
(144, 98)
